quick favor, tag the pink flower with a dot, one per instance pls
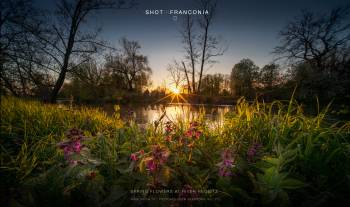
(198, 134)
(142, 152)
(151, 165)
(189, 133)
(168, 127)
(224, 172)
(133, 157)
(72, 145)
(160, 153)
(227, 164)
(77, 146)
(193, 131)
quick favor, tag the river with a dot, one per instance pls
(144, 114)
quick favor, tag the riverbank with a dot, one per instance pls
(263, 154)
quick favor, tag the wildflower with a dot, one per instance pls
(193, 131)
(133, 157)
(160, 153)
(168, 127)
(227, 163)
(253, 151)
(189, 133)
(151, 165)
(156, 158)
(73, 144)
(224, 172)
(198, 134)
(77, 146)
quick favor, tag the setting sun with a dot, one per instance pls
(175, 90)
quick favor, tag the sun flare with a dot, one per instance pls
(175, 90)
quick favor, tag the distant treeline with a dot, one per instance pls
(48, 55)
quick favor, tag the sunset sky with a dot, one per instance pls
(248, 28)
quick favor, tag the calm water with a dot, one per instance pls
(144, 114)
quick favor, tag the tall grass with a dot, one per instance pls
(280, 157)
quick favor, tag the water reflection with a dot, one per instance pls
(144, 114)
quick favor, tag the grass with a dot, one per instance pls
(263, 154)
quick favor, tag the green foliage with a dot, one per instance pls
(279, 157)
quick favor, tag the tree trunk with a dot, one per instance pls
(203, 57)
(188, 80)
(64, 67)
(191, 55)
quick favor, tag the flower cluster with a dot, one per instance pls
(73, 144)
(135, 156)
(253, 151)
(157, 158)
(227, 163)
(168, 127)
(193, 131)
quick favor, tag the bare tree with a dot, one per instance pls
(185, 71)
(208, 43)
(130, 63)
(19, 60)
(176, 74)
(68, 45)
(317, 47)
(200, 46)
(190, 48)
(320, 40)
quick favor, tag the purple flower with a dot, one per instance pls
(160, 154)
(156, 158)
(72, 145)
(224, 172)
(151, 165)
(253, 151)
(227, 163)
(77, 146)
